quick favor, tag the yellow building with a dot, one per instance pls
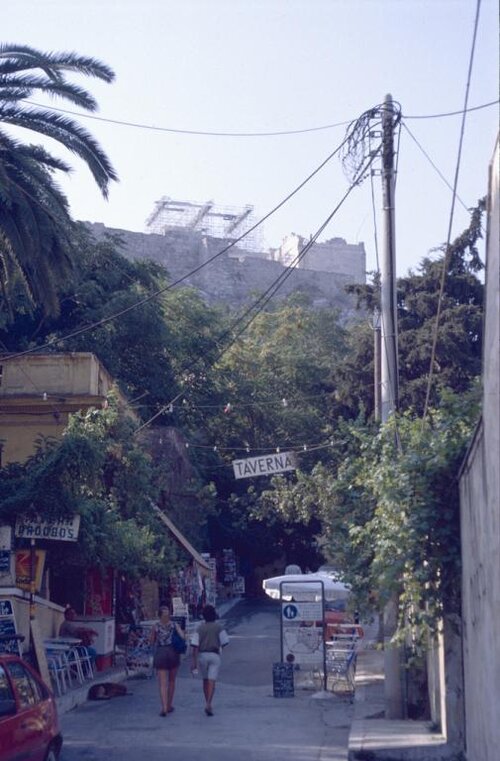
(39, 391)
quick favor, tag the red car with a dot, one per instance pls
(336, 612)
(29, 727)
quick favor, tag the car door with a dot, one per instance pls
(31, 731)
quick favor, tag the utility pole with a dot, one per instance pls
(389, 379)
(389, 370)
(377, 344)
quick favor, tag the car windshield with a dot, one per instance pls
(338, 605)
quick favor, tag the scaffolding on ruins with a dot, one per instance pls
(226, 222)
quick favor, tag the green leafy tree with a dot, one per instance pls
(458, 351)
(98, 471)
(35, 225)
(390, 515)
(272, 391)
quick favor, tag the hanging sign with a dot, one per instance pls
(264, 466)
(60, 529)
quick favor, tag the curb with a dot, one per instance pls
(78, 695)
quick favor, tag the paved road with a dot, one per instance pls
(249, 723)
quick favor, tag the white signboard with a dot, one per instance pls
(60, 529)
(264, 466)
(302, 633)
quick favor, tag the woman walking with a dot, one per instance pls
(166, 659)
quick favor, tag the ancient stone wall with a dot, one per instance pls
(235, 277)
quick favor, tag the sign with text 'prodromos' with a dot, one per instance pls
(58, 529)
(266, 465)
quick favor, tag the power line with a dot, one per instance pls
(431, 162)
(208, 133)
(462, 112)
(176, 131)
(452, 212)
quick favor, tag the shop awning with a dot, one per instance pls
(202, 564)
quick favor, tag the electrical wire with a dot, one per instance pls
(170, 286)
(450, 223)
(291, 447)
(431, 162)
(203, 133)
(207, 133)
(462, 112)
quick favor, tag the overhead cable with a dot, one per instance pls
(430, 376)
(431, 162)
(208, 133)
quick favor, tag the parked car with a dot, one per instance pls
(336, 612)
(29, 726)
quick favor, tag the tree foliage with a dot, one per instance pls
(458, 351)
(36, 252)
(98, 471)
(390, 511)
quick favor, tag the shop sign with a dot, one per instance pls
(59, 529)
(265, 465)
(23, 569)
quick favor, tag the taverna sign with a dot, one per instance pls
(264, 466)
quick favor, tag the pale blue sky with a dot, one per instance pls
(270, 65)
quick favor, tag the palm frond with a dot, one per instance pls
(22, 57)
(67, 132)
(62, 89)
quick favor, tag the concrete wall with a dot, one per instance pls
(237, 276)
(480, 525)
(39, 391)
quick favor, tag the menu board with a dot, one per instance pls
(283, 680)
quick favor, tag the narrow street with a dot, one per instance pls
(249, 723)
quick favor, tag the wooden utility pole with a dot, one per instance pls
(389, 379)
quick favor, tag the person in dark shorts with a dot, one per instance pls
(206, 644)
(165, 659)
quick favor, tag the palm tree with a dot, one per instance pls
(35, 224)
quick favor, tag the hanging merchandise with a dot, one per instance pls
(229, 566)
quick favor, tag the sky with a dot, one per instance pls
(275, 66)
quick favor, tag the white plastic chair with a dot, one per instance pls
(86, 661)
(59, 672)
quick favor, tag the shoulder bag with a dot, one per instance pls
(178, 642)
